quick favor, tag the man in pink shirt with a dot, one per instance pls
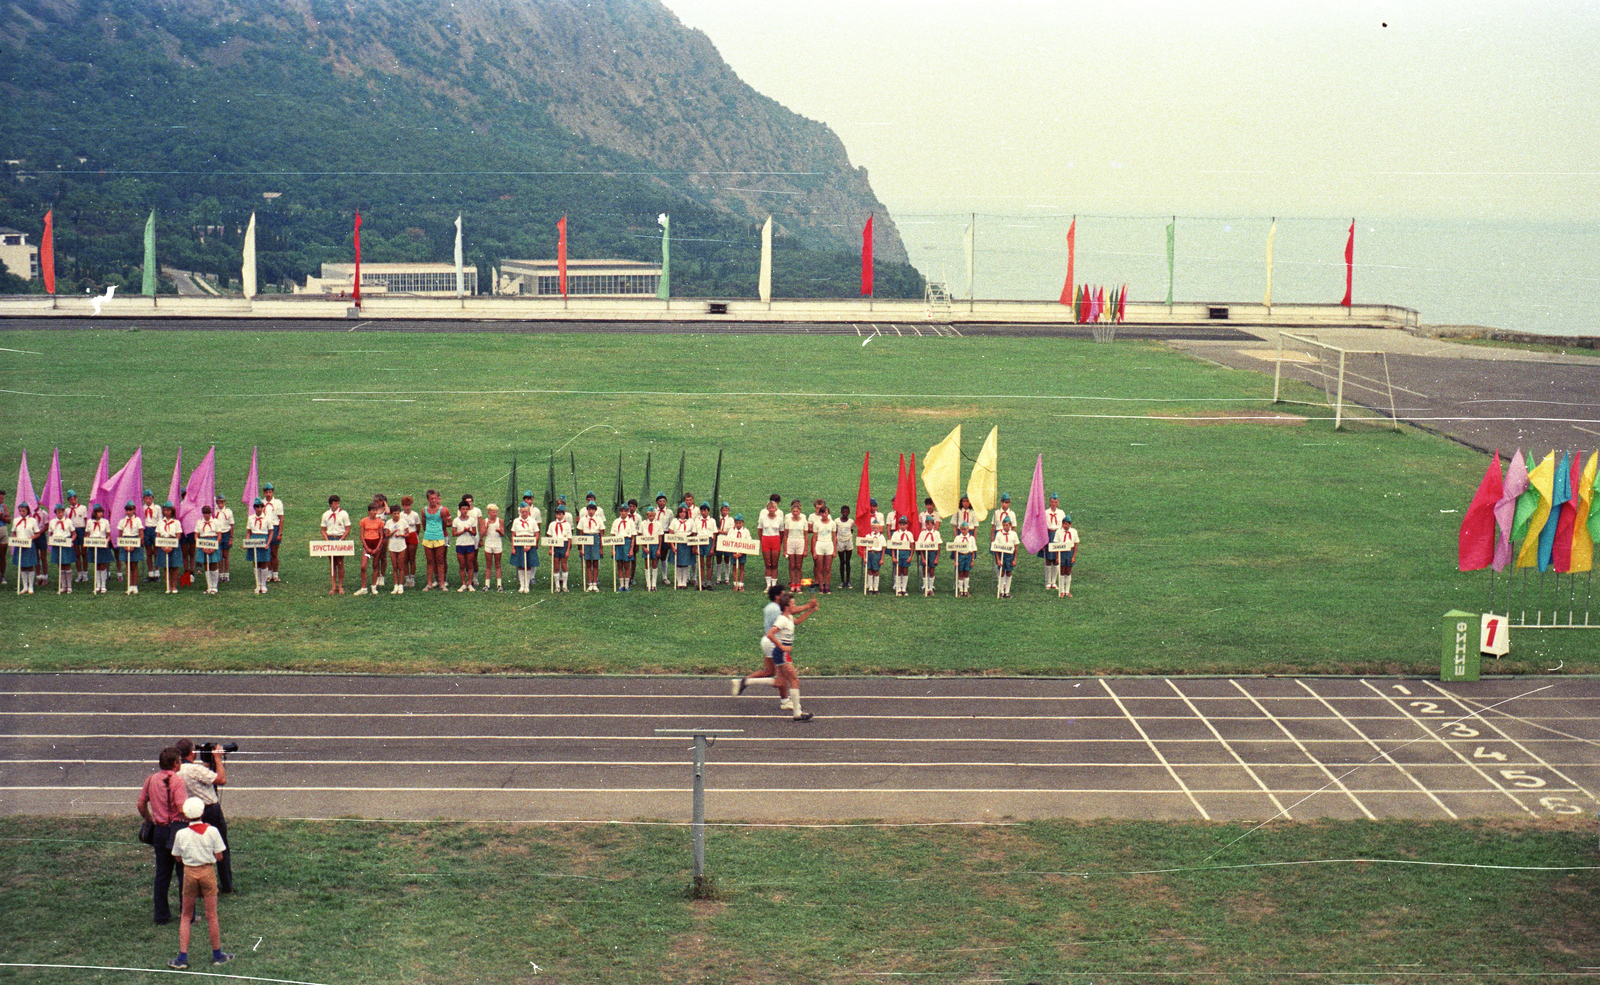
(161, 803)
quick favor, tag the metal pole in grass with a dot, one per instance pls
(703, 737)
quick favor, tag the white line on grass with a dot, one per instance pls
(153, 971)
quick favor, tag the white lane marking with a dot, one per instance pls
(1382, 754)
(1432, 733)
(1299, 744)
(1230, 750)
(1156, 752)
(1515, 742)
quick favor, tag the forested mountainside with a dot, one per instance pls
(512, 113)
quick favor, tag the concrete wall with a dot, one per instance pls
(861, 311)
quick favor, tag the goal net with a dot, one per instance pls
(1355, 383)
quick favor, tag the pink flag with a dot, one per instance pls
(25, 493)
(358, 259)
(175, 490)
(866, 258)
(1505, 509)
(1475, 547)
(52, 485)
(124, 487)
(1035, 532)
(202, 491)
(252, 487)
(95, 498)
(1349, 263)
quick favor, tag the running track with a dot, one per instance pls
(890, 749)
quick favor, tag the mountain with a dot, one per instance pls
(509, 112)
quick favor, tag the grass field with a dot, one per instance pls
(1208, 546)
(357, 902)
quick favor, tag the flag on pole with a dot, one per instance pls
(866, 258)
(1172, 243)
(252, 484)
(664, 285)
(1349, 263)
(95, 497)
(716, 489)
(47, 256)
(561, 255)
(764, 279)
(175, 488)
(905, 496)
(1069, 290)
(983, 483)
(1475, 546)
(150, 255)
(512, 496)
(1584, 531)
(1505, 509)
(25, 493)
(1558, 529)
(1035, 531)
(201, 492)
(677, 489)
(124, 486)
(618, 496)
(572, 460)
(461, 272)
(1272, 232)
(52, 485)
(1533, 509)
(247, 272)
(864, 499)
(941, 473)
(356, 290)
(911, 476)
(968, 242)
(646, 501)
(550, 490)
(1122, 304)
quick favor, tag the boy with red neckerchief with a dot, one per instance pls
(198, 845)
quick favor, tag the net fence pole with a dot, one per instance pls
(1338, 410)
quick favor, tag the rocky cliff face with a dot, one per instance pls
(624, 78)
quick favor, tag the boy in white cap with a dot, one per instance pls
(198, 846)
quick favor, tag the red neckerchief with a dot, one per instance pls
(198, 827)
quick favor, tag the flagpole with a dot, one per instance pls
(972, 252)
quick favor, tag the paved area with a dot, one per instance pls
(1482, 396)
(578, 748)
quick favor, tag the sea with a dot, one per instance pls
(1538, 277)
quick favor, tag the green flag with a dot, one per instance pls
(576, 499)
(618, 497)
(1172, 234)
(150, 255)
(664, 285)
(550, 490)
(677, 491)
(512, 499)
(645, 499)
(716, 488)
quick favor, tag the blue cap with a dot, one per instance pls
(1055, 495)
(527, 493)
(725, 504)
(149, 492)
(561, 507)
(872, 502)
(131, 505)
(71, 493)
(259, 502)
(267, 486)
(1006, 498)
(561, 499)
(1067, 518)
(661, 495)
(589, 494)
(168, 505)
(739, 516)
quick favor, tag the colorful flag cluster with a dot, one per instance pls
(941, 478)
(1092, 304)
(1552, 512)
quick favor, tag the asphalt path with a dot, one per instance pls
(887, 749)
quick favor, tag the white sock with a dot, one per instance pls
(212, 577)
(794, 696)
(1066, 585)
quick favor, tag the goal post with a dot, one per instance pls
(1345, 376)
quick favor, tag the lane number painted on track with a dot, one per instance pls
(1559, 805)
(1402, 689)
(1523, 779)
(1428, 707)
(1494, 754)
(1462, 731)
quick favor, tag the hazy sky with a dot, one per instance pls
(1149, 107)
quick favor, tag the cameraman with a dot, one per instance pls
(202, 781)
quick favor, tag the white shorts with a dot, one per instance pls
(766, 648)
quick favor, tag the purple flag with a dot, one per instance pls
(175, 490)
(95, 498)
(123, 487)
(52, 485)
(1505, 509)
(25, 492)
(1035, 533)
(202, 491)
(251, 485)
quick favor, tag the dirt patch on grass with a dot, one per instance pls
(1243, 416)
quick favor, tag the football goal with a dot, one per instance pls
(1350, 379)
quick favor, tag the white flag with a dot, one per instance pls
(766, 261)
(967, 242)
(1271, 232)
(461, 275)
(248, 274)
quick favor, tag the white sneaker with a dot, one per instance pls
(361, 591)
(411, 581)
(379, 583)
(395, 590)
(786, 705)
(462, 588)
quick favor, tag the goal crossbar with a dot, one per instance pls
(1328, 350)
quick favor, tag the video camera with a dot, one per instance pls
(208, 751)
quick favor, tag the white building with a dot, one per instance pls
(585, 278)
(434, 280)
(19, 257)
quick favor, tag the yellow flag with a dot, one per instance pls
(941, 472)
(983, 484)
(1582, 536)
(1542, 479)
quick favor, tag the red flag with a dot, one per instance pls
(1476, 547)
(1349, 263)
(1567, 519)
(911, 477)
(1072, 256)
(905, 495)
(1122, 304)
(561, 254)
(47, 253)
(358, 259)
(866, 258)
(864, 500)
